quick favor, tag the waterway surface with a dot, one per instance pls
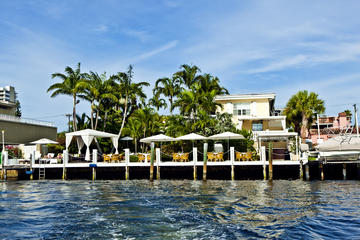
(139, 209)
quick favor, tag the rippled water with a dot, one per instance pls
(179, 210)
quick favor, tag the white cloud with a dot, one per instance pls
(280, 64)
(141, 35)
(101, 28)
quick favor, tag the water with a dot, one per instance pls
(179, 210)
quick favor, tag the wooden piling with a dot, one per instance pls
(270, 162)
(32, 162)
(307, 172)
(94, 164)
(205, 161)
(263, 158)
(65, 161)
(127, 160)
(232, 159)
(195, 162)
(301, 170)
(344, 171)
(152, 161)
(321, 168)
(158, 163)
(5, 162)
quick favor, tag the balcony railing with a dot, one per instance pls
(25, 120)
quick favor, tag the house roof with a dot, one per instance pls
(245, 96)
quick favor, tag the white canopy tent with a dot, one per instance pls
(86, 136)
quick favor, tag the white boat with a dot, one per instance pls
(344, 148)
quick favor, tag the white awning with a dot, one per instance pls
(44, 141)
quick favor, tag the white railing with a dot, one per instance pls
(25, 120)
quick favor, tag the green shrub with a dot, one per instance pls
(134, 158)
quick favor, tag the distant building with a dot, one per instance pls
(20, 130)
(7, 100)
(257, 113)
(329, 127)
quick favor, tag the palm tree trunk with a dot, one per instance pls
(91, 115)
(74, 113)
(125, 112)
(97, 119)
(135, 145)
(105, 120)
(304, 129)
(171, 104)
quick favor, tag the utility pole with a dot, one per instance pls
(356, 121)
(68, 115)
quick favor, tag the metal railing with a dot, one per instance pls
(25, 120)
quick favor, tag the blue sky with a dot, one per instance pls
(252, 46)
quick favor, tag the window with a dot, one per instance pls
(242, 109)
(257, 126)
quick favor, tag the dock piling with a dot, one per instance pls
(263, 158)
(195, 162)
(5, 162)
(301, 170)
(65, 161)
(344, 171)
(158, 156)
(127, 160)
(205, 161)
(307, 172)
(94, 158)
(32, 162)
(232, 158)
(152, 161)
(270, 162)
(321, 168)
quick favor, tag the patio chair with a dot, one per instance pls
(176, 157)
(115, 158)
(141, 157)
(211, 157)
(107, 158)
(184, 157)
(219, 156)
(248, 156)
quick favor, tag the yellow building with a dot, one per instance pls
(256, 112)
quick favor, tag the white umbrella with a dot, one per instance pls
(226, 136)
(127, 138)
(44, 141)
(191, 136)
(158, 138)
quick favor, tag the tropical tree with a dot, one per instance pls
(18, 109)
(188, 75)
(348, 113)
(129, 93)
(98, 90)
(157, 102)
(73, 84)
(301, 110)
(82, 121)
(169, 87)
(133, 128)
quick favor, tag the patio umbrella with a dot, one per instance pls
(127, 138)
(157, 138)
(226, 136)
(192, 136)
(44, 141)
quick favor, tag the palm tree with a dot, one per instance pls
(129, 92)
(133, 128)
(157, 102)
(301, 110)
(73, 83)
(98, 90)
(188, 103)
(169, 87)
(188, 74)
(82, 121)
